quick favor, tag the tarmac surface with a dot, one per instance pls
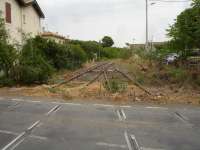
(35, 125)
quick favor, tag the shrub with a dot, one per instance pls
(113, 52)
(115, 86)
(8, 57)
(33, 67)
(92, 49)
(177, 74)
(77, 56)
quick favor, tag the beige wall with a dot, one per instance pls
(15, 27)
(31, 25)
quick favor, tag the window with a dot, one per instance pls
(8, 13)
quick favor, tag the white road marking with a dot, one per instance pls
(123, 113)
(16, 134)
(149, 107)
(54, 109)
(136, 145)
(128, 141)
(22, 100)
(126, 106)
(8, 132)
(119, 116)
(9, 145)
(17, 99)
(183, 118)
(17, 144)
(111, 145)
(144, 148)
(34, 125)
(102, 105)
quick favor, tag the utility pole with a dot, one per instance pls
(147, 27)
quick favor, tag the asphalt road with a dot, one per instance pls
(34, 125)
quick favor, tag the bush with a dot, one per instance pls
(4, 81)
(115, 86)
(8, 57)
(113, 52)
(33, 67)
(77, 56)
(177, 74)
(92, 49)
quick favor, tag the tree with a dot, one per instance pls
(107, 41)
(185, 33)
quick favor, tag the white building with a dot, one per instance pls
(22, 17)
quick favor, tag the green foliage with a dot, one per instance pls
(177, 74)
(8, 57)
(115, 86)
(107, 41)
(113, 52)
(185, 33)
(33, 67)
(3, 32)
(92, 48)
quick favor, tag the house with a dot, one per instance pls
(22, 17)
(55, 37)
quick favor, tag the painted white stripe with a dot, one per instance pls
(34, 125)
(8, 132)
(111, 145)
(17, 99)
(102, 105)
(127, 141)
(126, 106)
(156, 108)
(62, 103)
(14, 133)
(17, 144)
(56, 108)
(144, 148)
(119, 116)
(9, 145)
(123, 113)
(136, 145)
(28, 101)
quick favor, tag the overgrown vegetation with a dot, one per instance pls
(39, 58)
(185, 32)
(115, 86)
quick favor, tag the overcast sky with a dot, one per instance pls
(124, 20)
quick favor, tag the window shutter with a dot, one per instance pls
(8, 12)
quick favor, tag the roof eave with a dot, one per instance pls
(35, 5)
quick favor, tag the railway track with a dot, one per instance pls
(100, 66)
(102, 69)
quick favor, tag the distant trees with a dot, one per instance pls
(185, 32)
(107, 41)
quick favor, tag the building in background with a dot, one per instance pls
(22, 17)
(55, 37)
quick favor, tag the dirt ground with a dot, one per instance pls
(78, 91)
(96, 92)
